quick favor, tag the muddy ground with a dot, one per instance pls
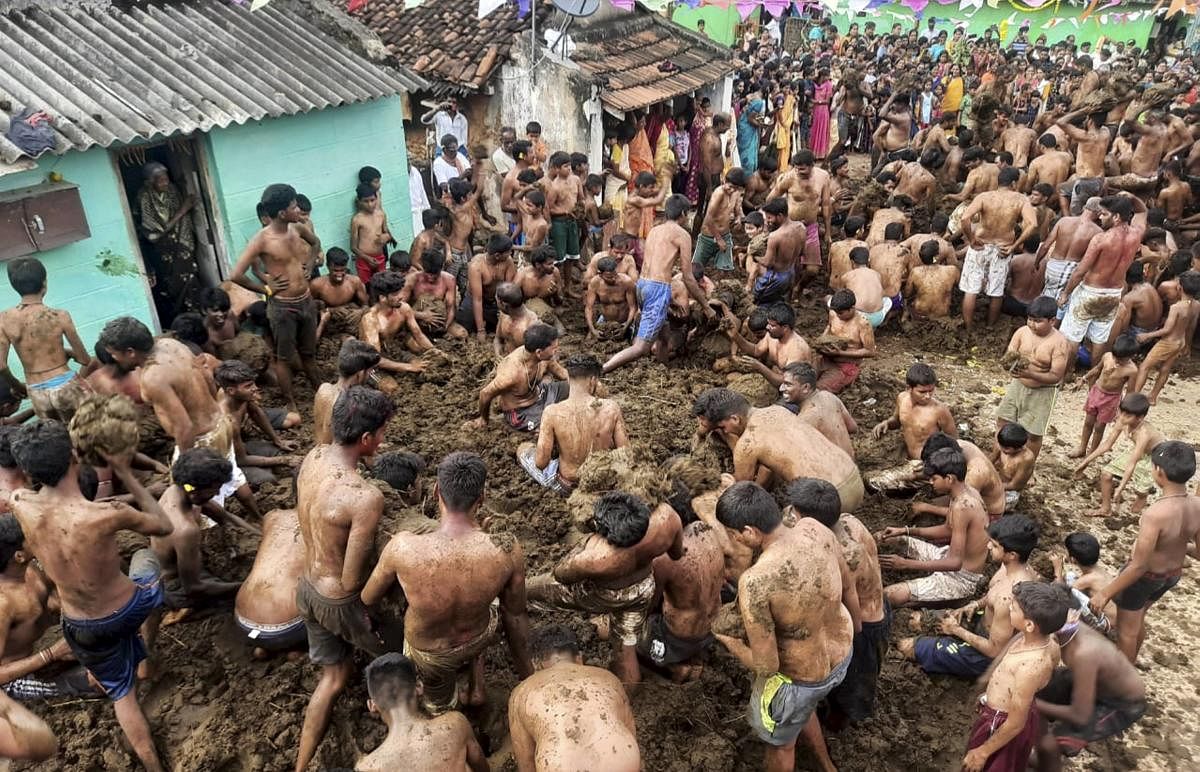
(213, 708)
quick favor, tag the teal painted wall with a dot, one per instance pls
(1089, 30)
(718, 22)
(319, 154)
(74, 279)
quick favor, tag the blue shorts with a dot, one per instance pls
(772, 286)
(654, 297)
(943, 654)
(111, 647)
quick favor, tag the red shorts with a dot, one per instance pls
(1013, 757)
(838, 377)
(369, 267)
(812, 246)
(1102, 404)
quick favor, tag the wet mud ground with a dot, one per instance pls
(213, 708)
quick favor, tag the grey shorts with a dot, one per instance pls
(780, 707)
(335, 627)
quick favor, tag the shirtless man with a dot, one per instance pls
(478, 312)
(1091, 145)
(37, 333)
(413, 739)
(369, 233)
(338, 290)
(712, 161)
(955, 568)
(433, 296)
(461, 200)
(974, 634)
(771, 444)
(800, 614)
(569, 715)
(667, 249)
(637, 218)
(895, 128)
(265, 608)
(575, 427)
(1018, 139)
(1148, 155)
(338, 512)
(890, 260)
(785, 241)
(1176, 194)
(809, 202)
(432, 237)
(526, 382)
(918, 413)
(1097, 694)
(897, 211)
(839, 251)
(541, 279)
(916, 179)
(619, 247)
(356, 365)
(841, 364)
(563, 193)
(451, 579)
(714, 245)
(1065, 246)
(610, 571)
(938, 136)
(854, 699)
(781, 346)
(281, 256)
(523, 160)
(1051, 166)
(758, 184)
(866, 284)
(75, 541)
(391, 318)
(1093, 292)
(982, 175)
(1039, 355)
(986, 265)
(823, 410)
(515, 318)
(930, 285)
(616, 294)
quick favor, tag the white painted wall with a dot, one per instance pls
(553, 93)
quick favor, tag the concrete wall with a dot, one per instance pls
(553, 94)
(319, 154)
(75, 275)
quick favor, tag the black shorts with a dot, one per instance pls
(466, 315)
(855, 695)
(1149, 588)
(294, 326)
(1110, 716)
(661, 647)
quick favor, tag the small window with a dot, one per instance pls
(40, 218)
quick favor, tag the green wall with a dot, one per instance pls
(74, 279)
(319, 154)
(1089, 30)
(718, 22)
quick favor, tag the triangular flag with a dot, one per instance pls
(916, 5)
(485, 6)
(624, 5)
(256, 4)
(655, 5)
(746, 7)
(775, 7)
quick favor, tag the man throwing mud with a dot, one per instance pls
(575, 427)
(452, 579)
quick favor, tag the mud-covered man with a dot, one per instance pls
(616, 295)
(433, 296)
(343, 294)
(526, 382)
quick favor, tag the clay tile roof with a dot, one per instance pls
(631, 54)
(443, 40)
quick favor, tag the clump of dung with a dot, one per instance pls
(632, 469)
(246, 347)
(105, 423)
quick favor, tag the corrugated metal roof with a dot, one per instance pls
(109, 74)
(631, 55)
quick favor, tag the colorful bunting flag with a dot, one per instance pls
(485, 6)
(916, 5)
(745, 8)
(776, 7)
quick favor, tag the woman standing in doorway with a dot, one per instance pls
(166, 221)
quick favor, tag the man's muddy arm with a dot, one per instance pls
(171, 413)
(1084, 673)
(148, 518)
(18, 388)
(366, 512)
(27, 735)
(760, 629)
(850, 593)
(545, 443)
(76, 349)
(240, 275)
(514, 613)
(19, 668)
(1139, 559)
(223, 516)
(589, 310)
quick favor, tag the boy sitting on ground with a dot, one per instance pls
(918, 412)
(1014, 462)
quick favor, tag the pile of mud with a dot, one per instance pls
(104, 425)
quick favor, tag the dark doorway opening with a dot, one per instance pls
(183, 259)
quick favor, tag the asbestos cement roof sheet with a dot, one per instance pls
(109, 73)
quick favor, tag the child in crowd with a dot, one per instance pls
(1112, 375)
(1133, 466)
(1085, 576)
(1014, 462)
(1173, 338)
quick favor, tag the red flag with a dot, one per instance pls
(354, 5)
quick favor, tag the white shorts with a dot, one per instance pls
(984, 270)
(1090, 314)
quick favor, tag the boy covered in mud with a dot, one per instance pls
(526, 382)
(265, 607)
(392, 319)
(343, 295)
(477, 312)
(37, 333)
(369, 233)
(433, 296)
(616, 295)
(1037, 357)
(415, 741)
(839, 251)
(239, 396)
(1132, 467)
(451, 579)
(930, 285)
(1009, 724)
(567, 713)
(780, 347)
(1168, 532)
(356, 363)
(610, 571)
(1085, 576)
(75, 541)
(847, 340)
(575, 427)
(918, 413)
(1115, 373)
(800, 614)
(976, 633)
(853, 700)
(619, 247)
(1173, 339)
(1014, 462)
(955, 568)
(826, 413)
(515, 318)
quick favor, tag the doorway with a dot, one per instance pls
(177, 268)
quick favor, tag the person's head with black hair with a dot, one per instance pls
(1048, 142)
(749, 513)
(369, 175)
(1038, 609)
(542, 260)
(1174, 463)
(189, 328)
(799, 382)
(400, 261)
(459, 189)
(584, 370)
(780, 320)
(946, 470)
(1136, 405)
(127, 341)
(722, 409)
(401, 470)
(1012, 539)
(1189, 283)
(939, 440)
(1083, 549)
(238, 381)
(541, 340)
(929, 251)
(775, 212)
(893, 231)
(7, 460)
(1040, 315)
(579, 165)
(1125, 348)
(393, 688)
(676, 208)
(433, 260)
(757, 320)
(552, 644)
(621, 518)
(215, 305)
(818, 499)
(860, 256)
(305, 206)
(386, 288)
(1012, 438)
(842, 303)
(279, 203)
(593, 184)
(853, 226)
(921, 381)
(201, 473)
(13, 557)
(645, 182)
(256, 315)
(260, 211)
(43, 451)
(735, 179)
(27, 275)
(432, 218)
(1115, 210)
(355, 361)
(359, 418)
(1004, 160)
(461, 477)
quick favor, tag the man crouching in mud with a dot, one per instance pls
(75, 540)
(526, 382)
(450, 578)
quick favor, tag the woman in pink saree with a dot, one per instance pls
(818, 135)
